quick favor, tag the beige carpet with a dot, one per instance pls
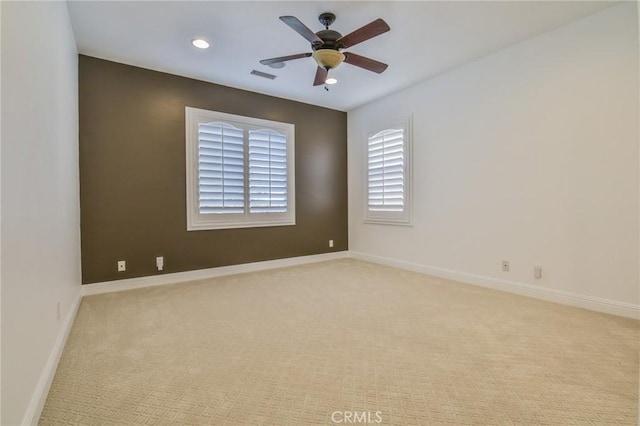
(298, 345)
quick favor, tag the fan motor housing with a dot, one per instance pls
(329, 37)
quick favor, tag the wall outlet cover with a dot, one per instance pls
(537, 271)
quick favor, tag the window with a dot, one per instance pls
(388, 174)
(240, 171)
(267, 172)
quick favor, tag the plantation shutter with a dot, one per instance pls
(386, 171)
(267, 172)
(220, 168)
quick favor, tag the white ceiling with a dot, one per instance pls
(426, 39)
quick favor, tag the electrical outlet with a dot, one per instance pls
(537, 271)
(160, 262)
(330, 243)
(505, 266)
(122, 265)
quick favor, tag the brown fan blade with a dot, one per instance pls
(321, 76)
(370, 30)
(284, 58)
(364, 62)
(301, 29)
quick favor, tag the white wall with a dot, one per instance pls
(528, 155)
(40, 198)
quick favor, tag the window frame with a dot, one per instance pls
(405, 217)
(197, 221)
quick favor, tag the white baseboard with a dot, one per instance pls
(558, 296)
(39, 397)
(155, 280)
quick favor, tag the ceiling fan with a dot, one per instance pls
(326, 45)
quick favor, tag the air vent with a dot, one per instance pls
(263, 74)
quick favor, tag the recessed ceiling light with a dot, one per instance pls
(331, 80)
(200, 43)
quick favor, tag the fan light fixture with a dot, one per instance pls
(331, 80)
(200, 43)
(328, 58)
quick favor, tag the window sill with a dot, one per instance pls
(387, 222)
(237, 225)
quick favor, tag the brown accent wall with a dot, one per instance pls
(132, 175)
